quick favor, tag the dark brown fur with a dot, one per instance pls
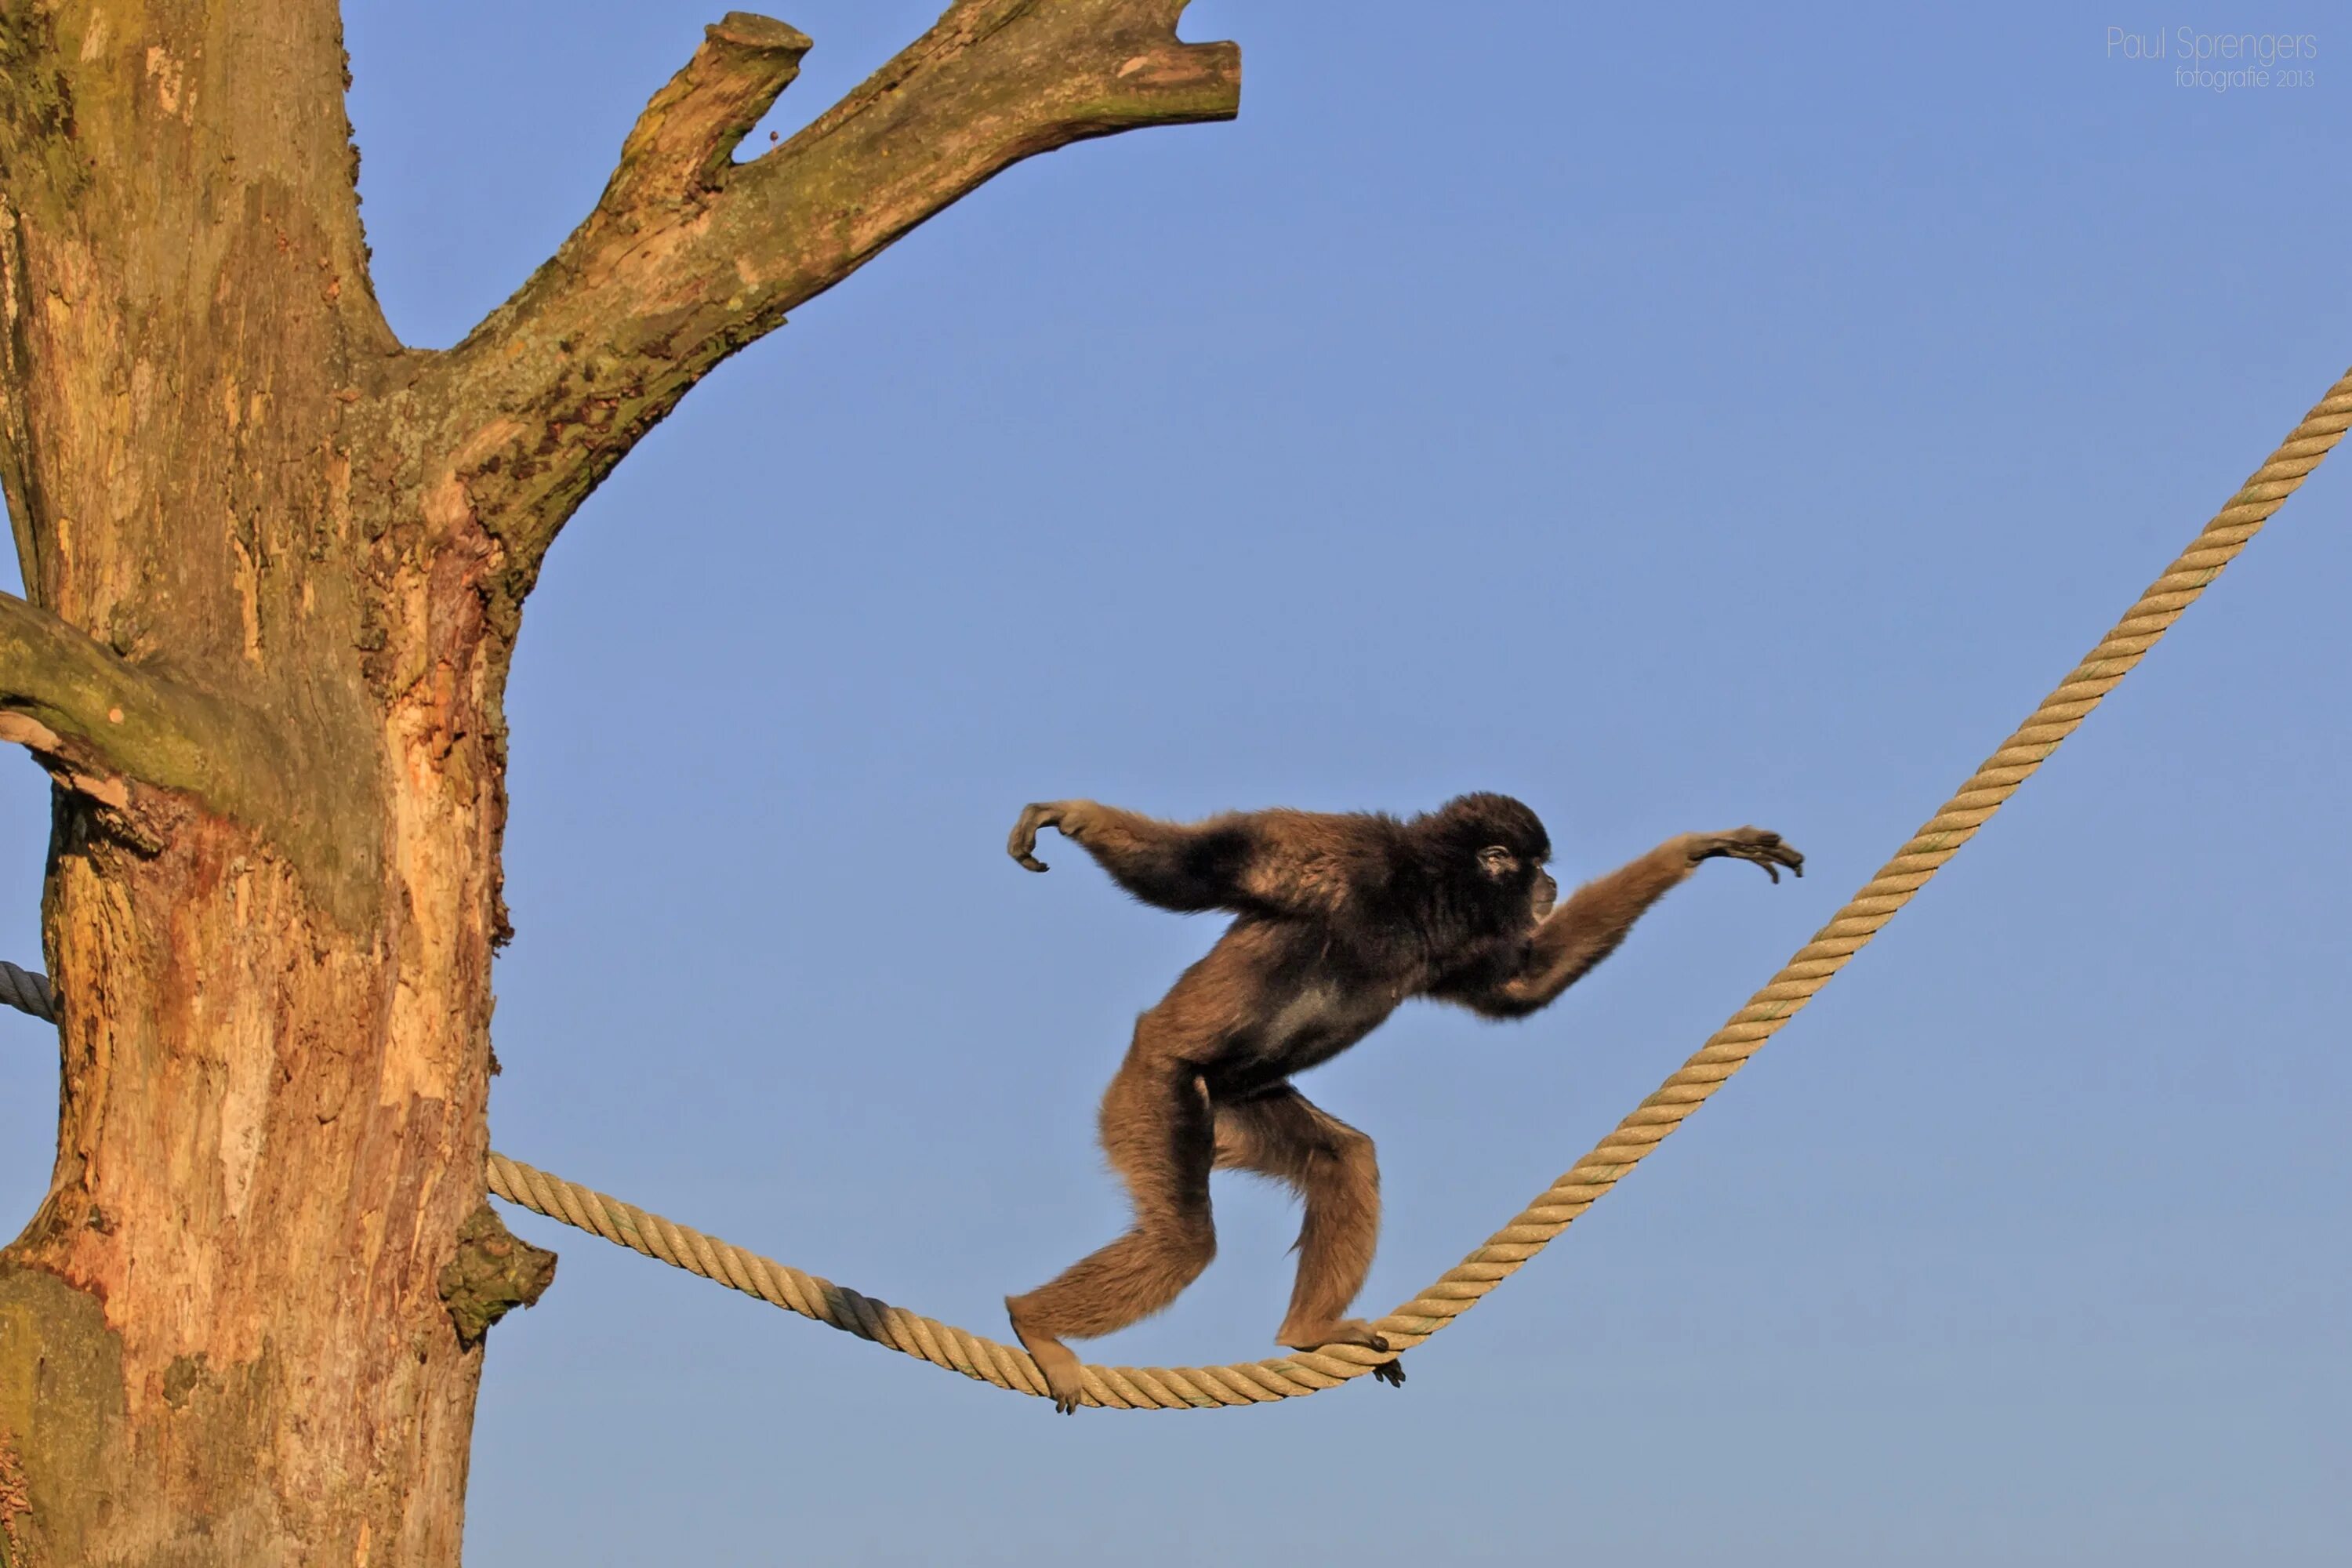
(1339, 919)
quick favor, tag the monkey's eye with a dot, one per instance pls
(1498, 861)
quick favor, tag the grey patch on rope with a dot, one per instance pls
(27, 992)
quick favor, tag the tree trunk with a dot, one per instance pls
(275, 565)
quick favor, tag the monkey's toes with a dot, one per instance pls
(1065, 1390)
(1344, 1331)
(1391, 1372)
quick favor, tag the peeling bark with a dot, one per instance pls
(274, 565)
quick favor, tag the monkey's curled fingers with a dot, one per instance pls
(1753, 844)
(1022, 845)
(1391, 1372)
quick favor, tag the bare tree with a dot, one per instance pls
(275, 562)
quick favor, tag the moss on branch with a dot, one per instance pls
(72, 701)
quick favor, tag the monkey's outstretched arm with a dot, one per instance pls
(1592, 923)
(1245, 862)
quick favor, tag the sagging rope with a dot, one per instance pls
(1533, 1227)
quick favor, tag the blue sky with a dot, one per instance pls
(1679, 419)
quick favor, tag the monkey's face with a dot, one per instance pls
(1499, 847)
(1519, 878)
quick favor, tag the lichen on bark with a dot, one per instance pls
(494, 1272)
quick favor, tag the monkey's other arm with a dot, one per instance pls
(1264, 861)
(1592, 922)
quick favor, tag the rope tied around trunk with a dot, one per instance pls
(1463, 1286)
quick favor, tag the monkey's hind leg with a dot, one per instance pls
(1156, 1128)
(1333, 1168)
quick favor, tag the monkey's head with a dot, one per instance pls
(1495, 846)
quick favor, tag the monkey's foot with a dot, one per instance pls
(1344, 1331)
(1753, 844)
(1308, 1336)
(1065, 1374)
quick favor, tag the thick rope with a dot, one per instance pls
(27, 992)
(1467, 1283)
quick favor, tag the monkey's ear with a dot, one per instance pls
(1497, 862)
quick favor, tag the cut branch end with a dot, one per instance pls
(682, 145)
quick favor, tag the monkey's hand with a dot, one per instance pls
(1391, 1372)
(1749, 843)
(1064, 814)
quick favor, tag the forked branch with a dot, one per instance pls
(688, 255)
